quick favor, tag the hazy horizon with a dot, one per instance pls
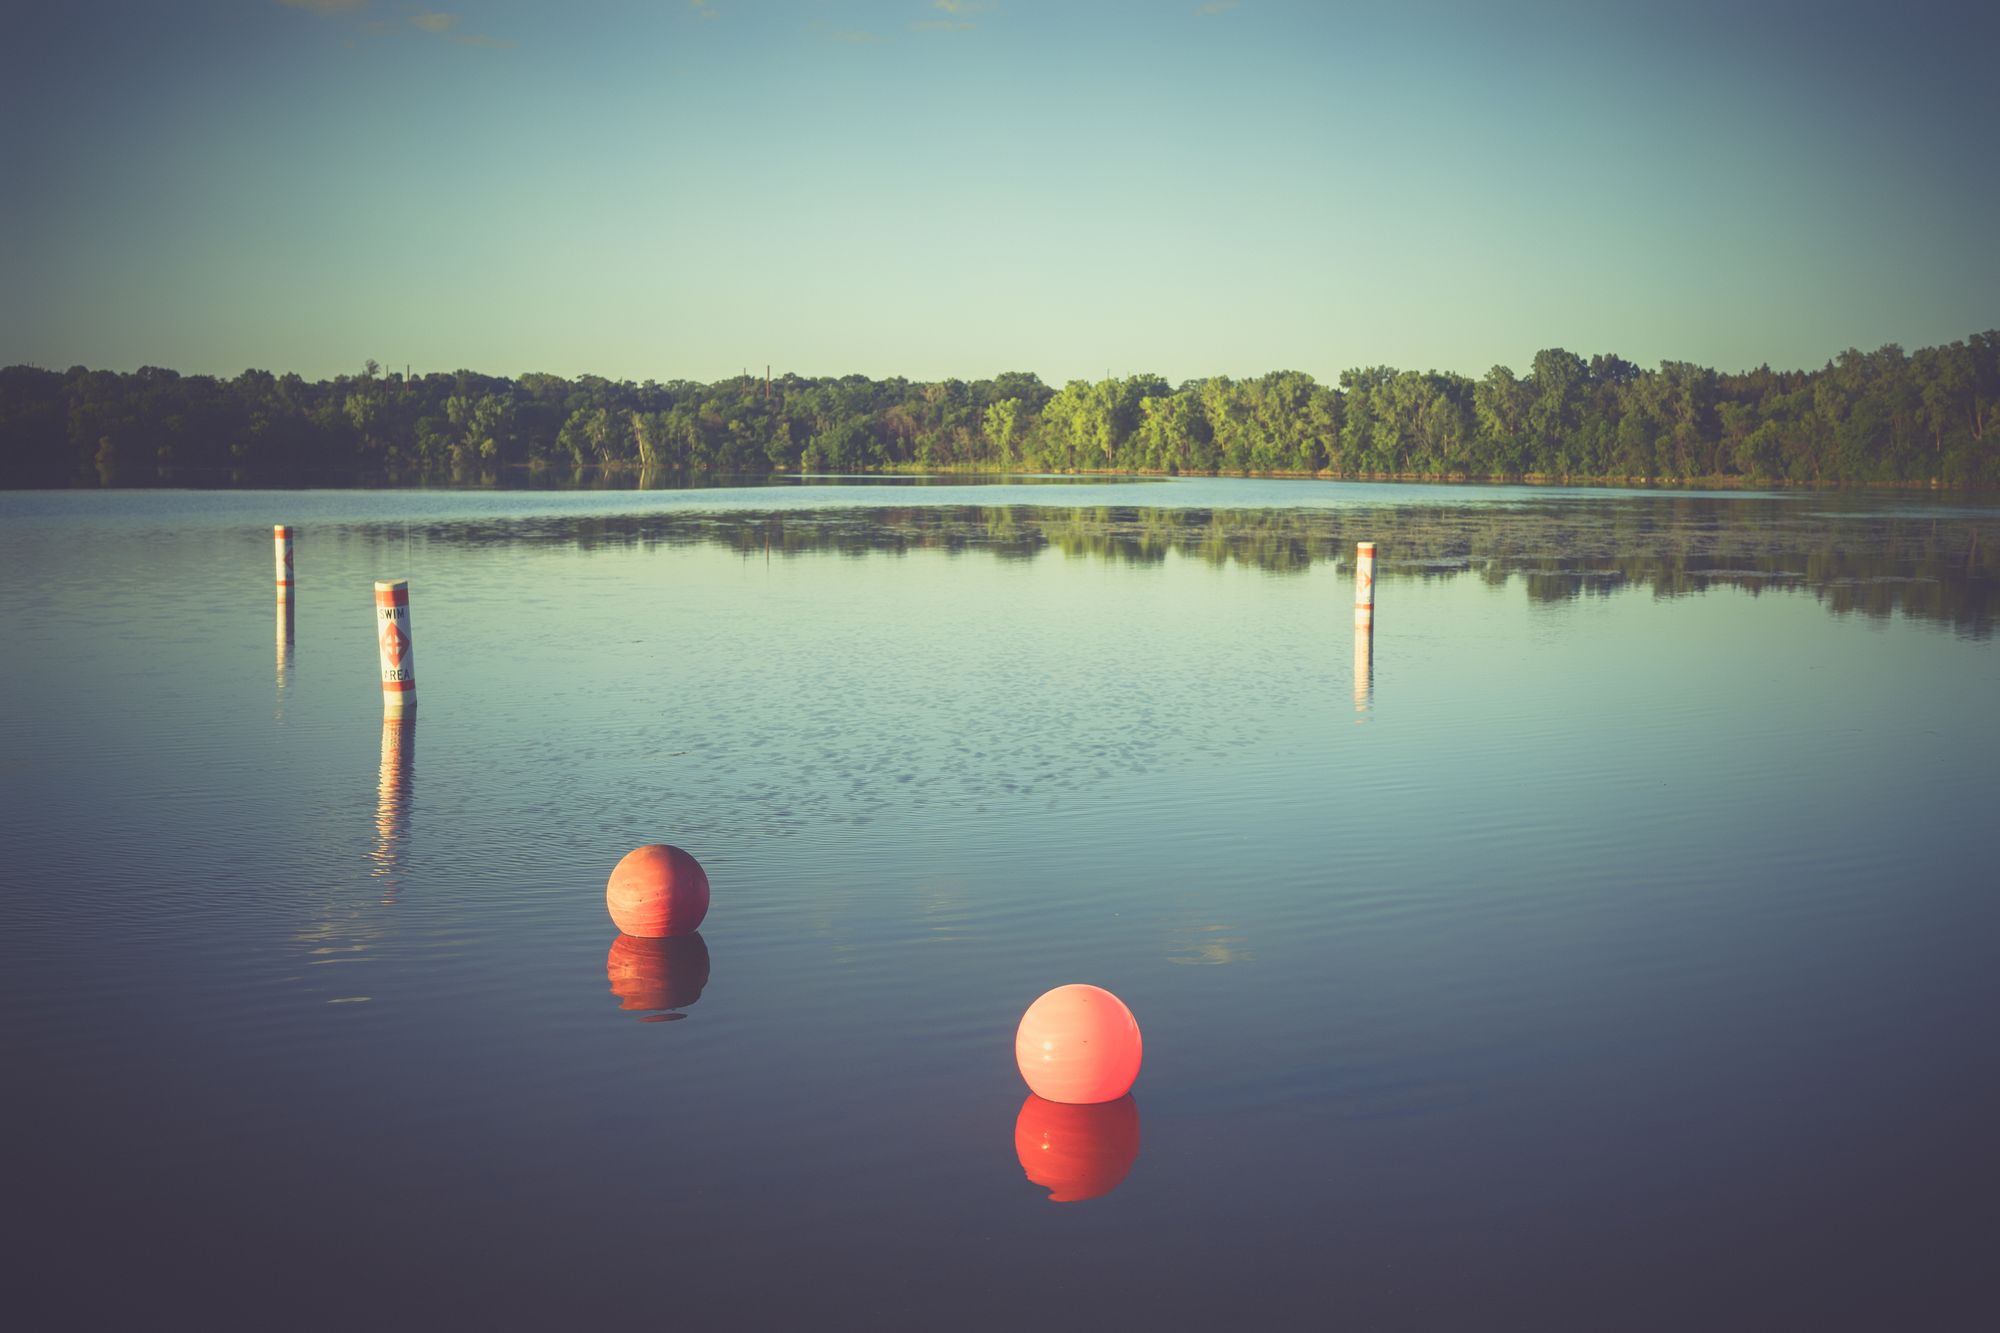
(936, 189)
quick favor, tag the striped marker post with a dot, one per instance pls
(1364, 585)
(399, 658)
(281, 538)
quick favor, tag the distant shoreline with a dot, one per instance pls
(1721, 483)
(1928, 420)
(553, 477)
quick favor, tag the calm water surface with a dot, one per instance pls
(1607, 943)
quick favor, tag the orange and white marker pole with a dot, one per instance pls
(399, 658)
(281, 538)
(1364, 585)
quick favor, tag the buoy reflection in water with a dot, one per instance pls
(657, 976)
(1077, 1152)
(393, 782)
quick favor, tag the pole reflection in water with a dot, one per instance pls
(285, 640)
(1077, 1152)
(392, 800)
(657, 976)
(1364, 667)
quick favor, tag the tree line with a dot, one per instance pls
(1881, 417)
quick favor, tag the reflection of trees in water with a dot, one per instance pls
(1941, 566)
(1212, 945)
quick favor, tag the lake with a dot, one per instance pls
(1606, 941)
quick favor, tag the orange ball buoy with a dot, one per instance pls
(1078, 1044)
(656, 891)
(657, 974)
(1077, 1152)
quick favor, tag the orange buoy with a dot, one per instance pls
(1078, 1044)
(657, 974)
(657, 890)
(399, 656)
(1077, 1152)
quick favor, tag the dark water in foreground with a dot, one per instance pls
(1607, 943)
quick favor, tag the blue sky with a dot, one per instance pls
(938, 188)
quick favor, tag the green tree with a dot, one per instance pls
(1004, 427)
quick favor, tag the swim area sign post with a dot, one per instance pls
(399, 658)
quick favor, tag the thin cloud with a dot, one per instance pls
(855, 38)
(446, 26)
(702, 9)
(961, 12)
(1214, 7)
(355, 20)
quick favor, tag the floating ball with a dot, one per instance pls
(656, 891)
(1077, 1152)
(657, 974)
(1078, 1044)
